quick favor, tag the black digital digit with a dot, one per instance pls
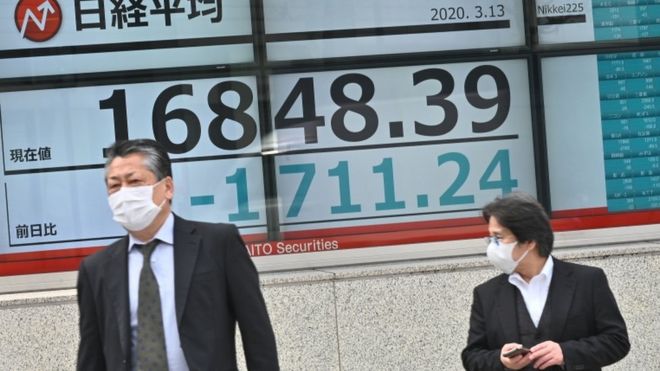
(237, 114)
(360, 106)
(117, 103)
(304, 89)
(450, 111)
(480, 12)
(502, 99)
(450, 13)
(500, 7)
(160, 118)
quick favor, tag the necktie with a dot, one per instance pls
(151, 354)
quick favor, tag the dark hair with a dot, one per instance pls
(524, 217)
(155, 155)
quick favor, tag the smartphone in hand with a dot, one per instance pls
(515, 352)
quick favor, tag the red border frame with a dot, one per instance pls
(351, 237)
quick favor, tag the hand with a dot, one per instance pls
(546, 354)
(515, 362)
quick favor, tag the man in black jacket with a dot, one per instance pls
(563, 315)
(169, 294)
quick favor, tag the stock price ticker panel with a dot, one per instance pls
(369, 146)
(56, 37)
(400, 144)
(53, 155)
(606, 139)
(597, 20)
(300, 29)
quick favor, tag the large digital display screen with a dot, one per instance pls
(326, 125)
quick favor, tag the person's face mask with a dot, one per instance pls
(500, 254)
(133, 207)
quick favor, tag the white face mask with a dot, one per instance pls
(500, 255)
(133, 207)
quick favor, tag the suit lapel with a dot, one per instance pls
(117, 285)
(560, 297)
(506, 311)
(186, 247)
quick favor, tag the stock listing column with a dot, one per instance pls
(601, 109)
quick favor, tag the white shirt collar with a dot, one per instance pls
(165, 234)
(546, 272)
(548, 268)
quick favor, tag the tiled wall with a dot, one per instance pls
(395, 316)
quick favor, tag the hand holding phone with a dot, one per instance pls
(515, 352)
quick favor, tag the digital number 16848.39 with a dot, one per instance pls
(310, 120)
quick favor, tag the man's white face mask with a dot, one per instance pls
(500, 254)
(133, 207)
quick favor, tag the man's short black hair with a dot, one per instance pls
(155, 156)
(524, 216)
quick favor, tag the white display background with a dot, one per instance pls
(415, 167)
(290, 16)
(71, 121)
(67, 189)
(235, 21)
(566, 32)
(574, 133)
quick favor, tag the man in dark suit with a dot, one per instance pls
(564, 315)
(169, 294)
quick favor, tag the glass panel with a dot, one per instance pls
(401, 144)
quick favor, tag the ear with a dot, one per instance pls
(529, 245)
(169, 188)
(534, 247)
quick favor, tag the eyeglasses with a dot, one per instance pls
(498, 241)
(492, 239)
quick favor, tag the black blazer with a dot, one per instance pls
(585, 320)
(216, 285)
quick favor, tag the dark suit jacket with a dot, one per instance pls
(585, 320)
(216, 285)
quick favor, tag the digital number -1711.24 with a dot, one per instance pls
(453, 195)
